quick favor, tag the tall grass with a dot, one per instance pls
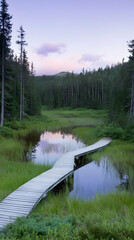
(109, 217)
(87, 134)
(105, 205)
(59, 217)
(120, 152)
(13, 174)
(14, 171)
(54, 119)
(11, 149)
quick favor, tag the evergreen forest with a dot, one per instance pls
(90, 105)
(23, 93)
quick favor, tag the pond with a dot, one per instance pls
(97, 178)
(51, 145)
(90, 177)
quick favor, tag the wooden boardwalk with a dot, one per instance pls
(20, 202)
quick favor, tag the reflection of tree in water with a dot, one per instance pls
(65, 186)
(50, 147)
(33, 137)
(126, 176)
(31, 154)
(47, 144)
(82, 161)
(30, 141)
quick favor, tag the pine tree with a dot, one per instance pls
(32, 74)
(5, 38)
(22, 43)
(25, 80)
(131, 50)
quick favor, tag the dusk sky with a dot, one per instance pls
(68, 35)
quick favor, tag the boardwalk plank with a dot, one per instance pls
(24, 199)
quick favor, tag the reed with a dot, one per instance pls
(14, 171)
(12, 148)
(14, 174)
(105, 217)
(120, 152)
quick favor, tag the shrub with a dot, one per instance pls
(112, 131)
(116, 132)
(6, 132)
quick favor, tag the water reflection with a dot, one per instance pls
(90, 178)
(95, 178)
(51, 146)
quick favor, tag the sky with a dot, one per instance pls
(69, 35)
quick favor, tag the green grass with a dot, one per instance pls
(59, 217)
(11, 149)
(87, 134)
(54, 119)
(108, 217)
(121, 154)
(14, 174)
(13, 170)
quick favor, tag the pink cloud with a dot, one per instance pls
(90, 58)
(56, 64)
(47, 48)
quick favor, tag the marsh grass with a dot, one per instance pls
(121, 155)
(12, 148)
(14, 171)
(62, 205)
(120, 152)
(105, 217)
(55, 119)
(60, 217)
(108, 217)
(14, 174)
(87, 134)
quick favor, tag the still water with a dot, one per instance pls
(90, 177)
(51, 146)
(96, 178)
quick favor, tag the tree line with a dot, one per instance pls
(16, 74)
(22, 93)
(111, 88)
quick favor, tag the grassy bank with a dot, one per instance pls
(14, 171)
(109, 217)
(120, 152)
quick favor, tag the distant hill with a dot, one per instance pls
(61, 74)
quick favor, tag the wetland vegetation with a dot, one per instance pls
(90, 105)
(58, 216)
(13, 145)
